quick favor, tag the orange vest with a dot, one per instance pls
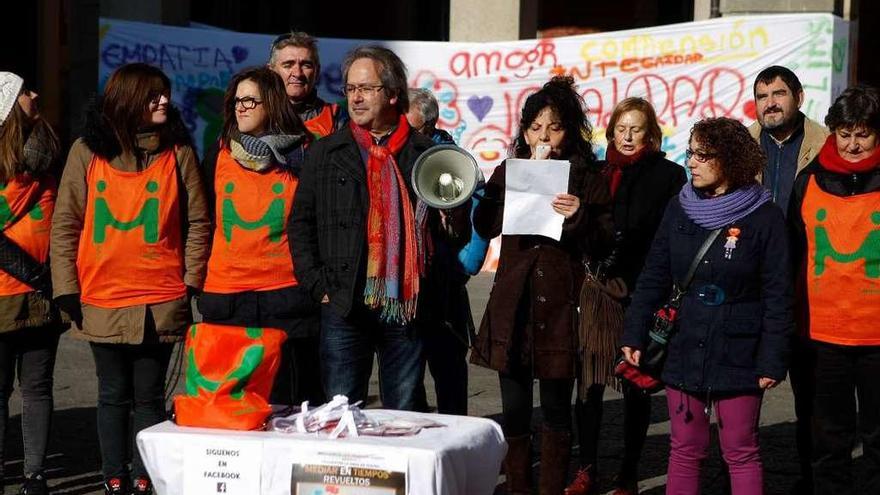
(131, 248)
(322, 125)
(28, 229)
(250, 249)
(843, 266)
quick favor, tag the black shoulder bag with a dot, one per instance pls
(646, 376)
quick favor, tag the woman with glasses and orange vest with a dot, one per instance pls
(252, 174)
(129, 245)
(29, 324)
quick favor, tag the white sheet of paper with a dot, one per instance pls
(214, 465)
(530, 186)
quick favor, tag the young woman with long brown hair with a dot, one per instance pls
(129, 245)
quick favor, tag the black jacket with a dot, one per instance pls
(726, 347)
(638, 205)
(327, 228)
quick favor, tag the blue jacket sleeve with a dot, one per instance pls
(473, 254)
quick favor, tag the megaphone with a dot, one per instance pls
(446, 176)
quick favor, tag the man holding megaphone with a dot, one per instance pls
(360, 238)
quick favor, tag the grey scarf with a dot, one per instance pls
(259, 153)
(39, 155)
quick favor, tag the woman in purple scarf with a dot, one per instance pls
(732, 334)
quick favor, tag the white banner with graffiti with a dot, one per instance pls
(688, 71)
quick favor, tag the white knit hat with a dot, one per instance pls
(10, 87)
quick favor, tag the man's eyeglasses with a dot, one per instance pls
(700, 156)
(248, 102)
(364, 89)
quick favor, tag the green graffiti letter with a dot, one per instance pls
(273, 218)
(148, 218)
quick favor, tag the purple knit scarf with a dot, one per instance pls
(714, 213)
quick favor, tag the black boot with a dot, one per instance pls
(34, 485)
(555, 457)
(518, 465)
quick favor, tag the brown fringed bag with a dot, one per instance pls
(599, 330)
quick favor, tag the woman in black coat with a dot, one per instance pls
(642, 181)
(735, 319)
(528, 330)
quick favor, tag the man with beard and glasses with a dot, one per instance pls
(294, 57)
(790, 140)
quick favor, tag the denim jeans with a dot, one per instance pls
(31, 353)
(130, 377)
(347, 348)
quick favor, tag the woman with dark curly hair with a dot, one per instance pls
(732, 335)
(528, 331)
(835, 210)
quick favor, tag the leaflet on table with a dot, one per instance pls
(339, 419)
(339, 469)
(222, 465)
(530, 187)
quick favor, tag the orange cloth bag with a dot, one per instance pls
(229, 374)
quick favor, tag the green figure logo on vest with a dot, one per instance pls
(273, 218)
(868, 251)
(6, 215)
(148, 218)
(251, 359)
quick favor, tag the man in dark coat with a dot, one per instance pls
(332, 235)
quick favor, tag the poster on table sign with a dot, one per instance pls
(216, 465)
(350, 473)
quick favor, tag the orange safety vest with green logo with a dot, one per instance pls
(843, 266)
(28, 229)
(250, 250)
(322, 125)
(131, 247)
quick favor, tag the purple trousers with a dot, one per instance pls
(737, 431)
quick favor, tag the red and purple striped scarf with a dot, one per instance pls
(390, 217)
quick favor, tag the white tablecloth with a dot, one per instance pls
(462, 458)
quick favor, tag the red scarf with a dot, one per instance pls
(390, 217)
(616, 161)
(831, 160)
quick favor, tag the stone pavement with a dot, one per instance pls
(74, 457)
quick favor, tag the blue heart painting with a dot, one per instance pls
(480, 105)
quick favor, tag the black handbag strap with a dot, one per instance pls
(678, 291)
